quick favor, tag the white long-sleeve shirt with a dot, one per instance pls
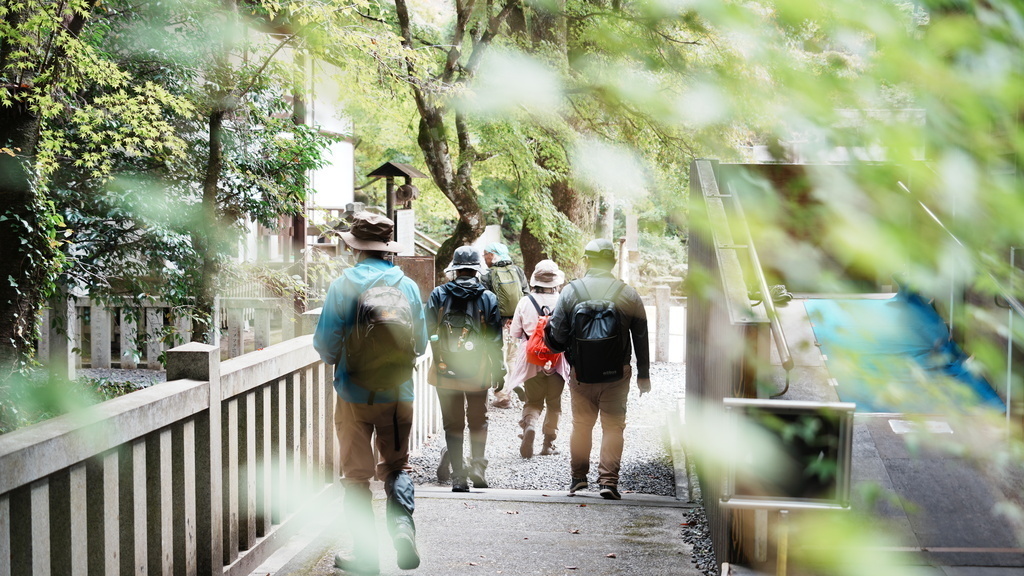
(523, 323)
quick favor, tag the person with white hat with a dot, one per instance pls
(368, 419)
(538, 384)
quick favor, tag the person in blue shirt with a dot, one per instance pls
(359, 413)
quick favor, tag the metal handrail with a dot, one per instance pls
(430, 241)
(769, 306)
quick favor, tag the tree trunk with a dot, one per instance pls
(581, 209)
(531, 248)
(205, 239)
(455, 184)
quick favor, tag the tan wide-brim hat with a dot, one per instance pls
(547, 275)
(371, 231)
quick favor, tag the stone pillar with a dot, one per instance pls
(60, 328)
(99, 327)
(236, 333)
(632, 247)
(309, 320)
(261, 328)
(154, 332)
(663, 307)
(129, 335)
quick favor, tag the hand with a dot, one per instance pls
(644, 384)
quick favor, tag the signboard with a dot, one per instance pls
(788, 454)
(405, 231)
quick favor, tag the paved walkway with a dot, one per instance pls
(514, 532)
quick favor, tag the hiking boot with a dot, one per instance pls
(476, 474)
(526, 447)
(459, 484)
(404, 540)
(520, 393)
(360, 566)
(444, 468)
(577, 484)
(609, 492)
(549, 448)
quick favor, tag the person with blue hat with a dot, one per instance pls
(508, 282)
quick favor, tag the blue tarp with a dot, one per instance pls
(896, 355)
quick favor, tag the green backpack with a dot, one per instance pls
(507, 287)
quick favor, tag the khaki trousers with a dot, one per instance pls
(590, 401)
(355, 425)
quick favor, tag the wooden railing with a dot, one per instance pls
(207, 473)
(129, 337)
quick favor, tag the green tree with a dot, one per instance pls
(45, 67)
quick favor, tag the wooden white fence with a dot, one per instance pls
(207, 473)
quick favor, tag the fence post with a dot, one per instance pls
(199, 361)
(663, 308)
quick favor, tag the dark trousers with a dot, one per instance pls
(459, 409)
(543, 390)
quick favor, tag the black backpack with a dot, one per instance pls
(460, 350)
(596, 338)
(380, 351)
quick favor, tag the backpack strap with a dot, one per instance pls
(580, 289)
(541, 311)
(619, 286)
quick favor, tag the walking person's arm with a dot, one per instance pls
(641, 342)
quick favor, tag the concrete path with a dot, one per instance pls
(516, 533)
(943, 514)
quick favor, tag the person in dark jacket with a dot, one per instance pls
(463, 398)
(360, 414)
(606, 400)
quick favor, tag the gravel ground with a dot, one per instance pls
(646, 461)
(140, 376)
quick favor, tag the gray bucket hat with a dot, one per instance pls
(371, 231)
(547, 275)
(465, 257)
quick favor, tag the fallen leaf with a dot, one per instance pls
(571, 567)
(611, 555)
(473, 564)
(583, 505)
(574, 531)
(511, 511)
